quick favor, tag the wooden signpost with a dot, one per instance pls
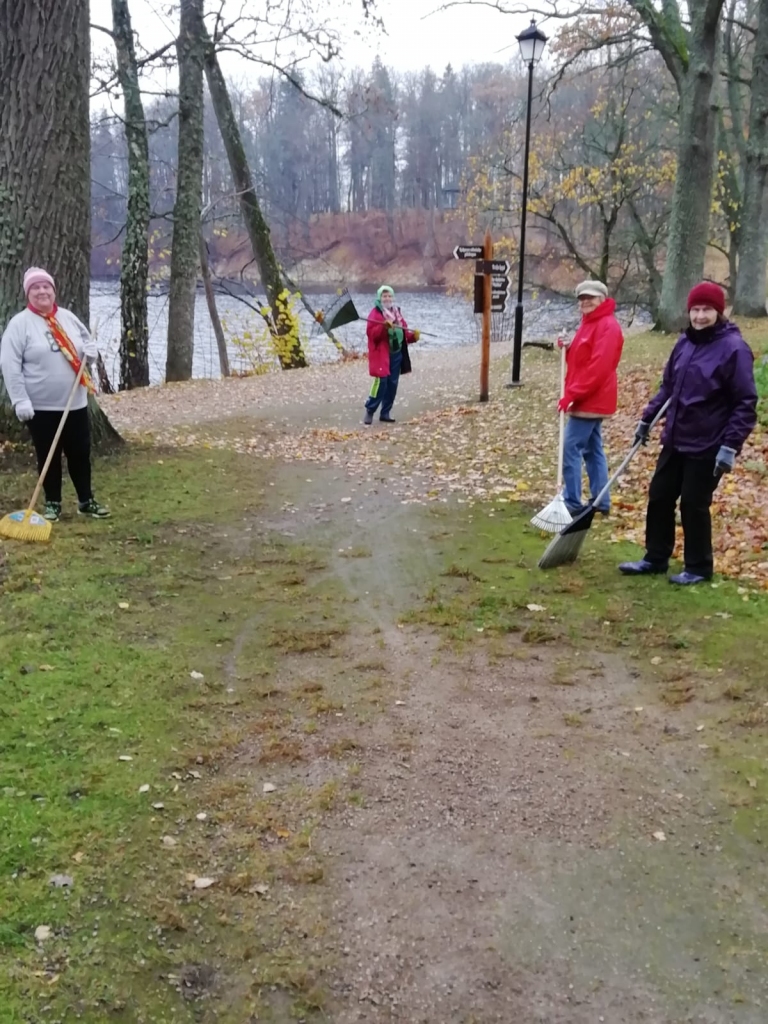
(491, 288)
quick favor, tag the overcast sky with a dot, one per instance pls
(414, 39)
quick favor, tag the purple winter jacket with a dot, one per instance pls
(710, 378)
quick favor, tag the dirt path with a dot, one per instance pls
(518, 850)
(327, 395)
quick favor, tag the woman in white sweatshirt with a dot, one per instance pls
(40, 355)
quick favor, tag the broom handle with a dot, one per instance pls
(561, 445)
(632, 452)
(57, 435)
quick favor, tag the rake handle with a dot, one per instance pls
(57, 435)
(426, 334)
(561, 443)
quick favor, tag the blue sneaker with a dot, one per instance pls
(687, 579)
(642, 568)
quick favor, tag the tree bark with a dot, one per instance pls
(134, 265)
(749, 297)
(691, 57)
(185, 252)
(45, 173)
(283, 324)
(210, 298)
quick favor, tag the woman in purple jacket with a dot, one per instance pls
(709, 380)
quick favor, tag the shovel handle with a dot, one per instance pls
(631, 454)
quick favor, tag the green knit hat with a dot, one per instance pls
(385, 288)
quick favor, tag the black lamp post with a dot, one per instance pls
(532, 42)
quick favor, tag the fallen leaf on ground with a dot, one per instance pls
(660, 836)
(196, 675)
(268, 787)
(535, 607)
(168, 841)
(204, 883)
(42, 932)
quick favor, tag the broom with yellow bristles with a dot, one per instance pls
(27, 524)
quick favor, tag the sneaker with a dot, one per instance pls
(52, 511)
(93, 509)
(387, 419)
(368, 418)
(641, 568)
(687, 579)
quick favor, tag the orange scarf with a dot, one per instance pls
(66, 347)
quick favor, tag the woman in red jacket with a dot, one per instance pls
(388, 339)
(590, 393)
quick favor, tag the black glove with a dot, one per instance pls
(642, 432)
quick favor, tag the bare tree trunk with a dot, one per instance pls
(185, 252)
(753, 248)
(134, 265)
(45, 174)
(690, 53)
(284, 326)
(210, 298)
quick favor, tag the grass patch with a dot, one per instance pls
(705, 644)
(133, 655)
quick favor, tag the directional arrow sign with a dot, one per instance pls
(492, 267)
(498, 305)
(499, 283)
(467, 252)
(497, 296)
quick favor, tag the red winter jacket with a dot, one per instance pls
(378, 342)
(592, 358)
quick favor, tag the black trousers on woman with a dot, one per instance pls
(691, 478)
(75, 443)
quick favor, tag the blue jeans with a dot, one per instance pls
(584, 442)
(384, 389)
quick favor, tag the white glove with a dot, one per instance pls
(91, 352)
(24, 411)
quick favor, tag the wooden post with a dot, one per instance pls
(485, 354)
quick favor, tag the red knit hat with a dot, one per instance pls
(707, 294)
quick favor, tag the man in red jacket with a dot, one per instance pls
(590, 393)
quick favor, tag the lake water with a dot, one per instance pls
(449, 317)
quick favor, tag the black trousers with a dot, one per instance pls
(691, 479)
(75, 443)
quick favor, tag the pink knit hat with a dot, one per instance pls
(36, 275)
